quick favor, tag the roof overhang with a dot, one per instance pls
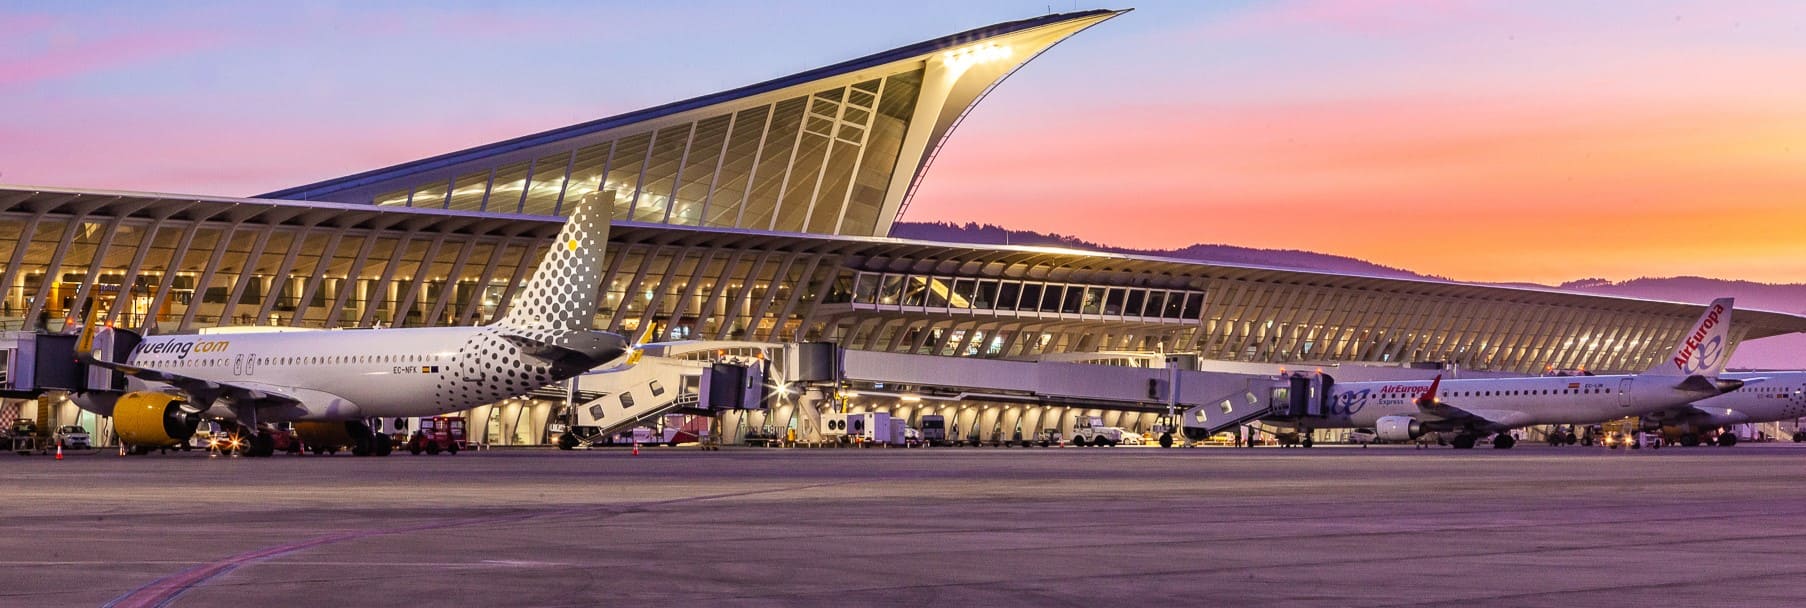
(870, 253)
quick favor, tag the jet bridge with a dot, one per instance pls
(806, 380)
(1047, 383)
(1211, 401)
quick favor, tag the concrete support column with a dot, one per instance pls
(1032, 419)
(1012, 414)
(808, 409)
(964, 419)
(538, 413)
(987, 423)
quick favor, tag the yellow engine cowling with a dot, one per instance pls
(152, 419)
(324, 434)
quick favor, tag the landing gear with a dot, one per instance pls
(261, 445)
(1464, 441)
(366, 442)
(1166, 439)
(1503, 441)
(1306, 440)
(1727, 439)
(1689, 440)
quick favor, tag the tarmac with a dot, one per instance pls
(1092, 527)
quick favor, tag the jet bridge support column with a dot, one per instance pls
(808, 415)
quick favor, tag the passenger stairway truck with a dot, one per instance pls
(640, 393)
(1293, 396)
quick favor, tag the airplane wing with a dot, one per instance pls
(207, 392)
(1434, 413)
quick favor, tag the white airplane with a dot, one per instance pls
(1400, 411)
(1765, 397)
(329, 381)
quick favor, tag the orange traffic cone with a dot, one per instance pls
(59, 451)
(636, 448)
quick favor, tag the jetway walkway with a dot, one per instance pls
(669, 379)
(1053, 383)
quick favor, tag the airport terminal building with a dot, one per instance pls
(761, 214)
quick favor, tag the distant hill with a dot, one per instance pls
(988, 234)
(1785, 297)
(1780, 352)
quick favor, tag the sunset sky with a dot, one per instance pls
(1483, 141)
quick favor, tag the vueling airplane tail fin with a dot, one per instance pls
(1705, 348)
(561, 295)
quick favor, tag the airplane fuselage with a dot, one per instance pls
(1508, 402)
(1779, 396)
(347, 374)
(371, 372)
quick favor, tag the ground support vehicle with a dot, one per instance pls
(72, 437)
(437, 434)
(934, 430)
(24, 436)
(1090, 430)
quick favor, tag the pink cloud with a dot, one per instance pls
(16, 26)
(1358, 16)
(170, 146)
(133, 46)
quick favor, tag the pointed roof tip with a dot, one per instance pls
(325, 187)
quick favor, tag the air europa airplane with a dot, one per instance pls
(329, 381)
(1474, 408)
(1765, 397)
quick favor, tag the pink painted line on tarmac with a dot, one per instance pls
(161, 592)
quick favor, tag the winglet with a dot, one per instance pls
(1704, 349)
(1428, 398)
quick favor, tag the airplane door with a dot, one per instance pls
(1624, 392)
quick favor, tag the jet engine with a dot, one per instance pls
(1398, 428)
(150, 419)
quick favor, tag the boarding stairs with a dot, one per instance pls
(637, 394)
(1291, 397)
